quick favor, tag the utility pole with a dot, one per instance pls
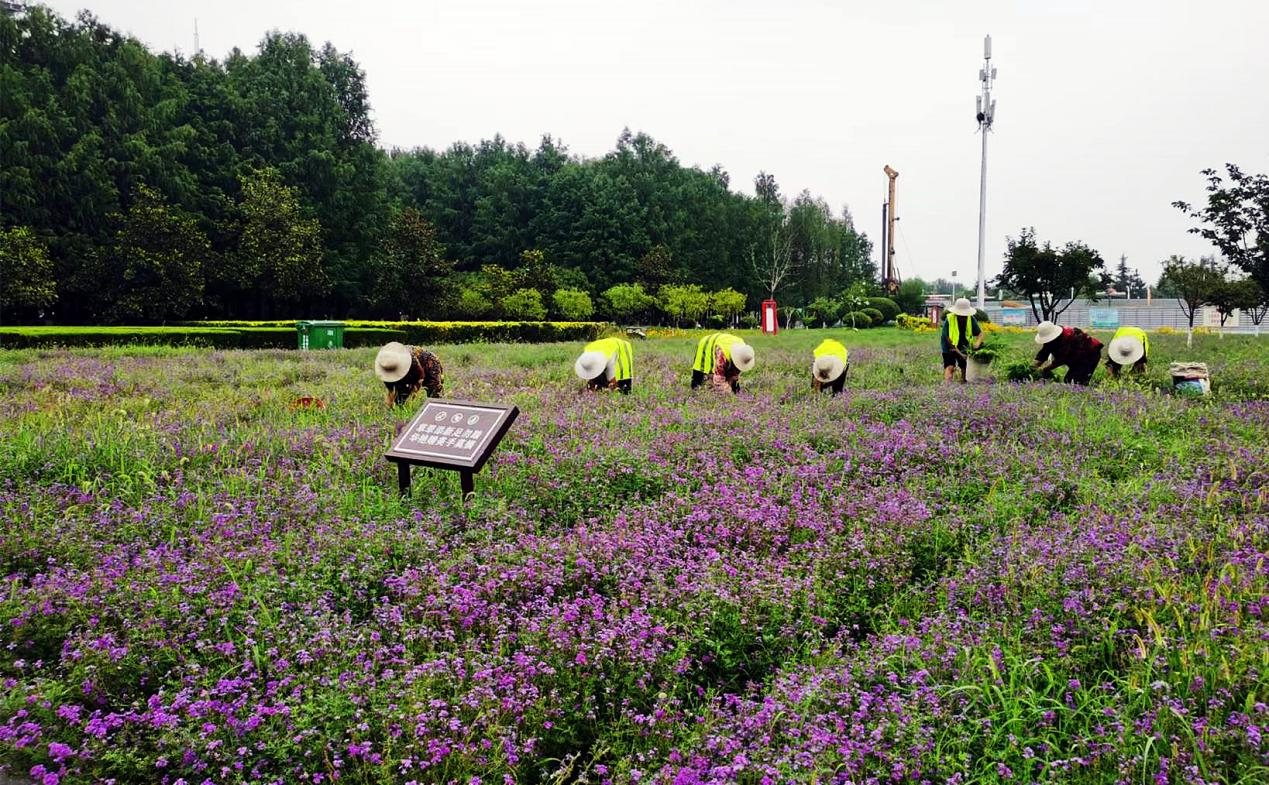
(890, 277)
(986, 113)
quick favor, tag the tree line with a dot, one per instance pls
(142, 187)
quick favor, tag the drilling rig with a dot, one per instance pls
(889, 273)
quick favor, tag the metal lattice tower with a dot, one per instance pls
(986, 114)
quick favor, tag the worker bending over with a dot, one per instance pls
(1069, 346)
(829, 366)
(1128, 349)
(607, 364)
(720, 359)
(404, 370)
(960, 328)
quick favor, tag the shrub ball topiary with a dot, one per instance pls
(878, 318)
(982, 316)
(857, 319)
(889, 308)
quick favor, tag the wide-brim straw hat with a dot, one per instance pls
(962, 307)
(1047, 331)
(1126, 350)
(393, 362)
(590, 365)
(742, 357)
(828, 367)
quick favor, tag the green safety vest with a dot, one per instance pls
(829, 347)
(623, 369)
(1139, 334)
(705, 350)
(954, 330)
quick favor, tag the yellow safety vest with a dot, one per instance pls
(623, 369)
(705, 350)
(954, 329)
(1139, 334)
(829, 347)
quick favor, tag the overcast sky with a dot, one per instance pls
(1106, 109)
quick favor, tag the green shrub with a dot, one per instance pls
(37, 337)
(878, 318)
(857, 319)
(889, 308)
(715, 322)
(749, 321)
(524, 304)
(573, 304)
(982, 316)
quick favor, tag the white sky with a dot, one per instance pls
(1106, 109)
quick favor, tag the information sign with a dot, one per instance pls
(1014, 316)
(457, 435)
(1103, 317)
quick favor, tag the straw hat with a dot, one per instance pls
(590, 365)
(962, 307)
(1126, 350)
(828, 367)
(742, 356)
(1047, 331)
(393, 362)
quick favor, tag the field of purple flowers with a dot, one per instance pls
(909, 583)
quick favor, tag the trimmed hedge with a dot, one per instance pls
(889, 308)
(857, 319)
(282, 335)
(878, 318)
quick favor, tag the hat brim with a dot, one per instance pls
(589, 365)
(392, 363)
(1043, 336)
(832, 366)
(1125, 351)
(743, 358)
(963, 311)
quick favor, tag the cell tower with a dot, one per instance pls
(986, 114)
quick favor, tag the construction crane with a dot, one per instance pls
(889, 273)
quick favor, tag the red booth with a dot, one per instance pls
(770, 324)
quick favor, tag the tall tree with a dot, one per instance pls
(26, 272)
(155, 265)
(280, 253)
(1236, 219)
(411, 273)
(1050, 279)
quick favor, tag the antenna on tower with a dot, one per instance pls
(985, 107)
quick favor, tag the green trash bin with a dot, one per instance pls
(319, 335)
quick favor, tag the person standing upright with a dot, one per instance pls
(960, 330)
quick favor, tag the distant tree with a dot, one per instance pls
(823, 311)
(772, 258)
(911, 296)
(411, 272)
(1050, 279)
(524, 305)
(1242, 294)
(27, 274)
(681, 302)
(1236, 219)
(656, 268)
(727, 303)
(628, 300)
(1125, 280)
(573, 305)
(280, 251)
(1194, 283)
(155, 265)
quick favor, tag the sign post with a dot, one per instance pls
(455, 435)
(770, 324)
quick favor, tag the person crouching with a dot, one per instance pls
(720, 359)
(607, 364)
(1069, 346)
(404, 370)
(1128, 349)
(829, 367)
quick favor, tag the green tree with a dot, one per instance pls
(411, 272)
(155, 265)
(26, 272)
(823, 311)
(628, 300)
(1050, 279)
(1236, 219)
(524, 305)
(280, 252)
(1195, 283)
(911, 296)
(573, 304)
(687, 301)
(727, 303)
(1241, 294)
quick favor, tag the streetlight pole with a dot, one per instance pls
(986, 113)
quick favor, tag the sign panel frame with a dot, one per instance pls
(1103, 318)
(451, 434)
